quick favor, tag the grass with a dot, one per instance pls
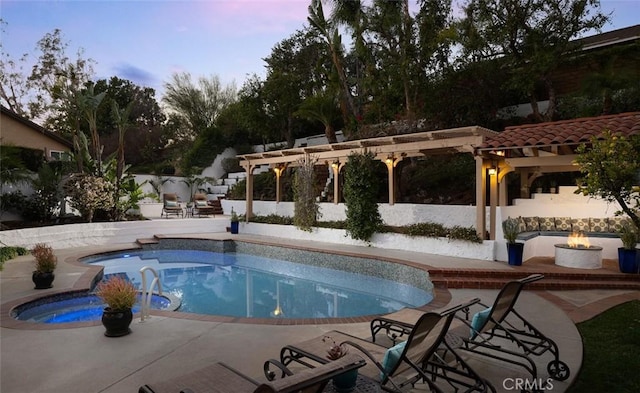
(611, 351)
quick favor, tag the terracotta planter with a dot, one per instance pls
(42, 280)
(116, 322)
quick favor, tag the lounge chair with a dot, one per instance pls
(201, 206)
(481, 334)
(221, 378)
(425, 356)
(171, 205)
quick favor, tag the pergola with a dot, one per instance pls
(389, 149)
(530, 150)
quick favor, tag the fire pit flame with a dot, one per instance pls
(578, 240)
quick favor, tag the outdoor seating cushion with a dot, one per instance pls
(478, 321)
(580, 224)
(563, 224)
(531, 224)
(547, 223)
(201, 203)
(616, 223)
(391, 358)
(171, 203)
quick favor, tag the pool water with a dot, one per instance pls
(75, 308)
(244, 285)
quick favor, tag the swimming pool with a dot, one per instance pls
(248, 280)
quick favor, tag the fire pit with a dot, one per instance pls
(578, 253)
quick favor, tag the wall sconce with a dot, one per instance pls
(335, 164)
(278, 169)
(390, 159)
(492, 171)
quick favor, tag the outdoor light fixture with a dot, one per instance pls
(335, 164)
(493, 171)
(390, 159)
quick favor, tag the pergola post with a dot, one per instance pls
(336, 167)
(249, 189)
(278, 169)
(493, 200)
(481, 200)
(392, 161)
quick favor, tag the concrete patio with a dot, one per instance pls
(62, 358)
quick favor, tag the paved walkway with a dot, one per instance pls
(47, 358)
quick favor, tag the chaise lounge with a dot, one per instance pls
(221, 378)
(201, 206)
(171, 205)
(425, 356)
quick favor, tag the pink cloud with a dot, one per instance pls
(245, 17)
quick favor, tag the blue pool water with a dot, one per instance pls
(74, 307)
(244, 285)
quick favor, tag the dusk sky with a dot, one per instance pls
(147, 41)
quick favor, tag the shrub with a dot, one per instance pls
(307, 209)
(10, 252)
(46, 261)
(361, 187)
(118, 293)
(89, 194)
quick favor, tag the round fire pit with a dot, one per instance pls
(580, 257)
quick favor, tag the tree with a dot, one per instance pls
(323, 108)
(296, 69)
(14, 86)
(121, 117)
(333, 41)
(611, 170)
(532, 36)
(88, 102)
(198, 104)
(55, 82)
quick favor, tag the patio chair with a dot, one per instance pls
(221, 378)
(501, 321)
(201, 206)
(425, 356)
(171, 205)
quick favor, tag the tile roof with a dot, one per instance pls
(566, 132)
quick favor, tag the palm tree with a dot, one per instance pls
(334, 41)
(321, 107)
(89, 102)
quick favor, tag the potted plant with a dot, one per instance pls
(510, 229)
(119, 295)
(235, 222)
(627, 254)
(45, 263)
(346, 382)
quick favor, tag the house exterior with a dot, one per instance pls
(18, 131)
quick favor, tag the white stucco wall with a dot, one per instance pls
(399, 214)
(437, 246)
(81, 235)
